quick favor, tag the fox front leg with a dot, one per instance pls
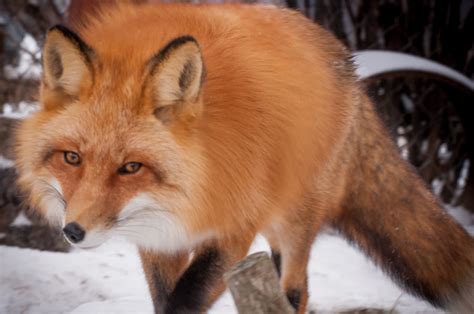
(162, 271)
(179, 286)
(202, 282)
(177, 289)
(192, 293)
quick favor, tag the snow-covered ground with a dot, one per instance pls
(109, 280)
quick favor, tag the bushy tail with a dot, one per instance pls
(390, 214)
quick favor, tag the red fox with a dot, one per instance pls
(189, 129)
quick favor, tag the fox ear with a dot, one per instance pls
(67, 67)
(177, 72)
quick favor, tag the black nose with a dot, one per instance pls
(74, 232)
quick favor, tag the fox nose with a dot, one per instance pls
(74, 232)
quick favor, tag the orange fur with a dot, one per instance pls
(265, 144)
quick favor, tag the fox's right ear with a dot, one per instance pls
(67, 66)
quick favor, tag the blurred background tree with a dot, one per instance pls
(428, 118)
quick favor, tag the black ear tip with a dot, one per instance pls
(59, 27)
(73, 37)
(176, 43)
(171, 46)
(184, 39)
(66, 32)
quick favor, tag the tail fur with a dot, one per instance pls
(390, 214)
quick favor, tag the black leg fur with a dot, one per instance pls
(276, 258)
(161, 293)
(294, 296)
(191, 292)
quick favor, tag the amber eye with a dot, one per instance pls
(130, 168)
(72, 158)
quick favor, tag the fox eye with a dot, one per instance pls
(130, 168)
(72, 158)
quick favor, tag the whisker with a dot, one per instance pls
(125, 232)
(148, 210)
(126, 227)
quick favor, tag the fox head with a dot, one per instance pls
(110, 150)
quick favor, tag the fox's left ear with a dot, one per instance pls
(176, 76)
(67, 67)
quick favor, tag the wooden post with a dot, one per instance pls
(255, 286)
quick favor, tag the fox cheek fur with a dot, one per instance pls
(245, 119)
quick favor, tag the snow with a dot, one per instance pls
(48, 282)
(28, 65)
(109, 279)
(371, 63)
(5, 163)
(21, 220)
(20, 111)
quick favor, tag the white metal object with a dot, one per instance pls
(372, 63)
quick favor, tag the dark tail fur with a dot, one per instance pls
(390, 214)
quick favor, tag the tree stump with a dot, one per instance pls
(255, 286)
